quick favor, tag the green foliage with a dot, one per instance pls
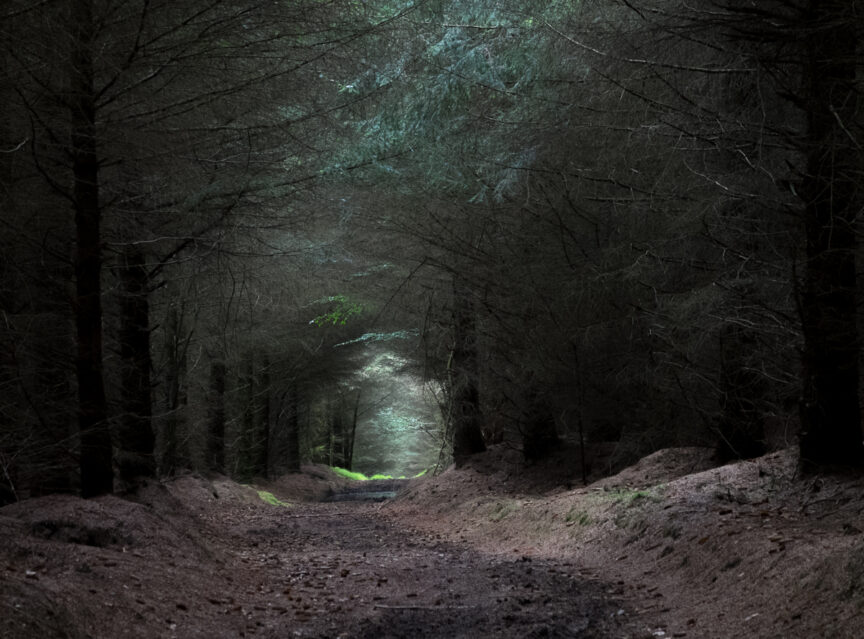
(270, 498)
(342, 310)
(480, 76)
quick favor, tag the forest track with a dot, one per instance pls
(345, 570)
(220, 563)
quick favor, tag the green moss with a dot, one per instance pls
(272, 499)
(349, 474)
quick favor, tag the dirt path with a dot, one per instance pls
(343, 570)
(216, 561)
(664, 549)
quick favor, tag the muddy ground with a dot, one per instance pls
(671, 547)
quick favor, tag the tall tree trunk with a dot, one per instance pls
(830, 410)
(334, 423)
(135, 439)
(464, 372)
(262, 416)
(351, 436)
(292, 414)
(174, 454)
(245, 465)
(96, 453)
(539, 433)
(216, 418)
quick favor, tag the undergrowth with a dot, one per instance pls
(272, 499)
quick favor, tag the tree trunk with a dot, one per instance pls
(334, 420)
(96, 452)
(351, 436)
(464, 392)
(539, 434)
(830, 409)
(135, 458)
(292, 447)
(216, 418)
(245, 465)
(174, 454)
(261, 406)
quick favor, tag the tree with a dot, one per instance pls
(135, 459)
(831, 412)
(96, 453)
(463, 387)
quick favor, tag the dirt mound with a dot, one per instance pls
(108, 522)
(662, 466)
(159, 561)
(68, 563)
(746, 549)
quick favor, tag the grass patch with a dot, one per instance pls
(273, 500)
(633, 497)
(502, 509)
(578, 516)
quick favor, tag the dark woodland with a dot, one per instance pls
(244, 238)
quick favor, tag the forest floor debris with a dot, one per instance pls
(668, 547)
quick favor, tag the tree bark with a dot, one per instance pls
(96, 450)
(351, 436)
(245, 469)
(135, 438)
(261, 406)
(464, 371)
(174, 454)
(539, 434)
(292, 448)
(216, 418)
(830, 408)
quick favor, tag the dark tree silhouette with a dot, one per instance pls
(832, 194)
